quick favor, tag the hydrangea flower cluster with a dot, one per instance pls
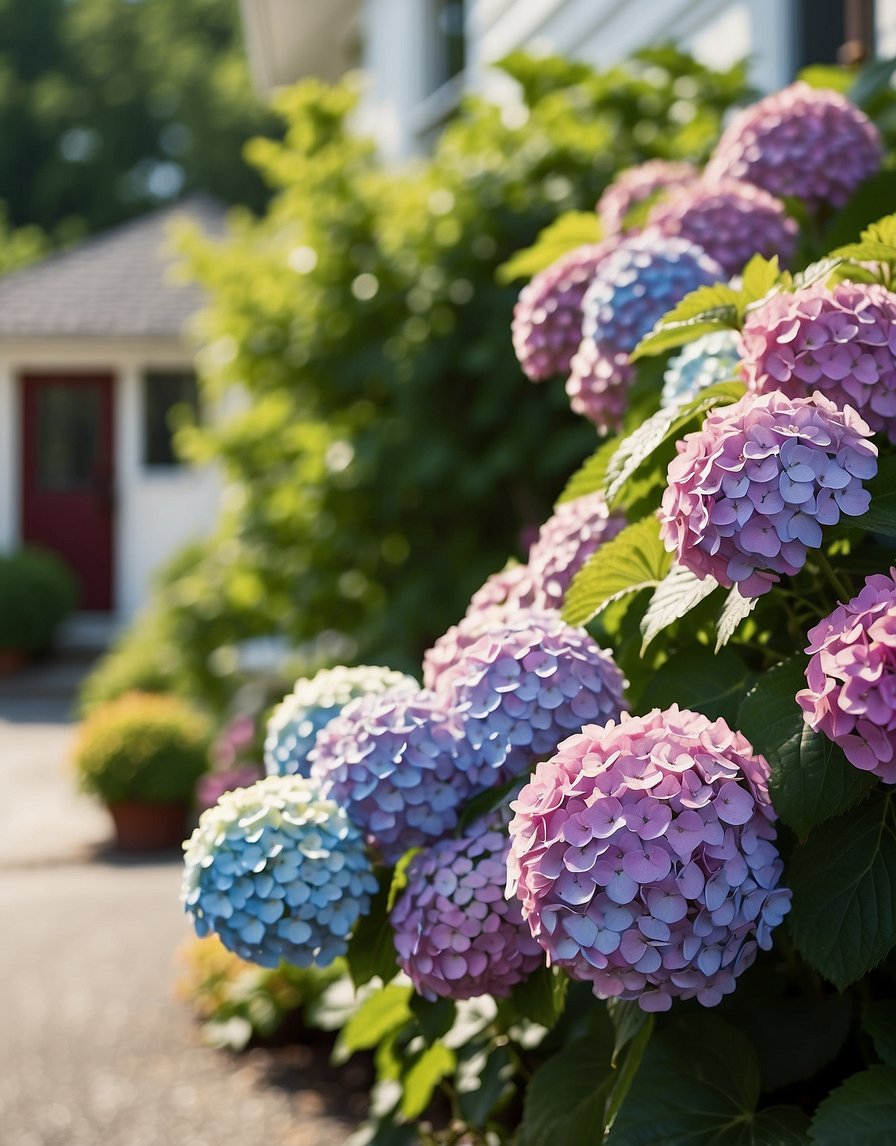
(811, 143)
(851, 677)
(278, 872)
(841, 342)
(598, 384)
(401, 767)
(523, 687)
(637, 184)
(643, 855)
(569, 537)
(212, 786)
(749, 493)
(547, 318)
(730, 219)
(313, 702)
(704, 362)
(456, 935)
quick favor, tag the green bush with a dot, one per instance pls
(142, 748)
(37, 592)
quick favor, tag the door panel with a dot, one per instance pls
(67, 469)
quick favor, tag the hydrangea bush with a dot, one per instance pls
(622, 871)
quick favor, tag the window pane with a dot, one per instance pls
(162, 392)
(68, 427)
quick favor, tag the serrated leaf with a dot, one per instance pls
(568, 231)
(695, 679)
(816, 272)
(880, 516)
(541, 996)
(811, 780)
(371, 949)
(698, 1085)
(420, 1082)
(382, 1012)
(675, 596)
(701, 311)
(883, 230)
(860, 1112)
(760, 276)
(564, 1100)
(591, 475)
(634, 559)
(434, 1017)
(735, 610)
(843, 878)
(879, 1020)
(866, 251)
(638, 446)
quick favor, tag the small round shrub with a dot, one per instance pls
(142, 748)
(37, 592)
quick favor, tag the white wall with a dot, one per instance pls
(157, 510)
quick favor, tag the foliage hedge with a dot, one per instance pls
(37, 592)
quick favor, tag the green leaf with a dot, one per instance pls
(833, 76)
(698, 1084)
(592, 475)
(564, 1101)
(635, 559)
(811, 780)
(701, 311)
(424, 1076)
(816, 272)
(626, 1063)
(482, 1088)
(695, 679)
(879, 1020)
(873, 199)
(627, 1019)
(843, 878)
(735, 610)
(400, 877)
(383, 1011)
(760, 276)
(881, 514)
(860, 1112)
(434, 1017)
(568, 231)
(540, 998)
(486, 802)
(371, 949)
(675, 596)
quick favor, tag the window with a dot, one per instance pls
(446, 42)
(167, 396)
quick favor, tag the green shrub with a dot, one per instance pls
(144, 659)
(37, 592)
(142, 748)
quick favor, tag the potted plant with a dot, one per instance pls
(37, 592)
(142, 755)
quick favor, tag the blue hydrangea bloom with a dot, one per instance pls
(279, 872)
(401, 766)
(637, 283)
(313, 702)
(703, 362)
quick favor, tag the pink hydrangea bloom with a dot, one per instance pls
(750, 492)
(840, 341)
(456, 935)
(212, 786)
(730, 219)
(570, 536)
(807, 142)
(636, 184)
(547, 318)
(851, 694)
(598, 385)
(643, 855)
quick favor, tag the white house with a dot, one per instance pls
(418, 56)
(92, 359)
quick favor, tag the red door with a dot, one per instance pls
(67, 467)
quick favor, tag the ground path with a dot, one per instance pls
(95, 1049)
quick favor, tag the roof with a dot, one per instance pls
(112, 285)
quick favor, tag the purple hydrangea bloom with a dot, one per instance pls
(730, 219)
(701, 363)
(547, 318)
(401, 767)
(598, 384)
(636, 184)
(807, 142)
(455, 933)
(851, 676)
(643, 855)
(313, 702)
(212, 786)
(841, 342)
(749, 493)
(569, 537)
(510, 588)
(524, 686)
(278, 872)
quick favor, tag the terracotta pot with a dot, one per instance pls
(148, 827)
